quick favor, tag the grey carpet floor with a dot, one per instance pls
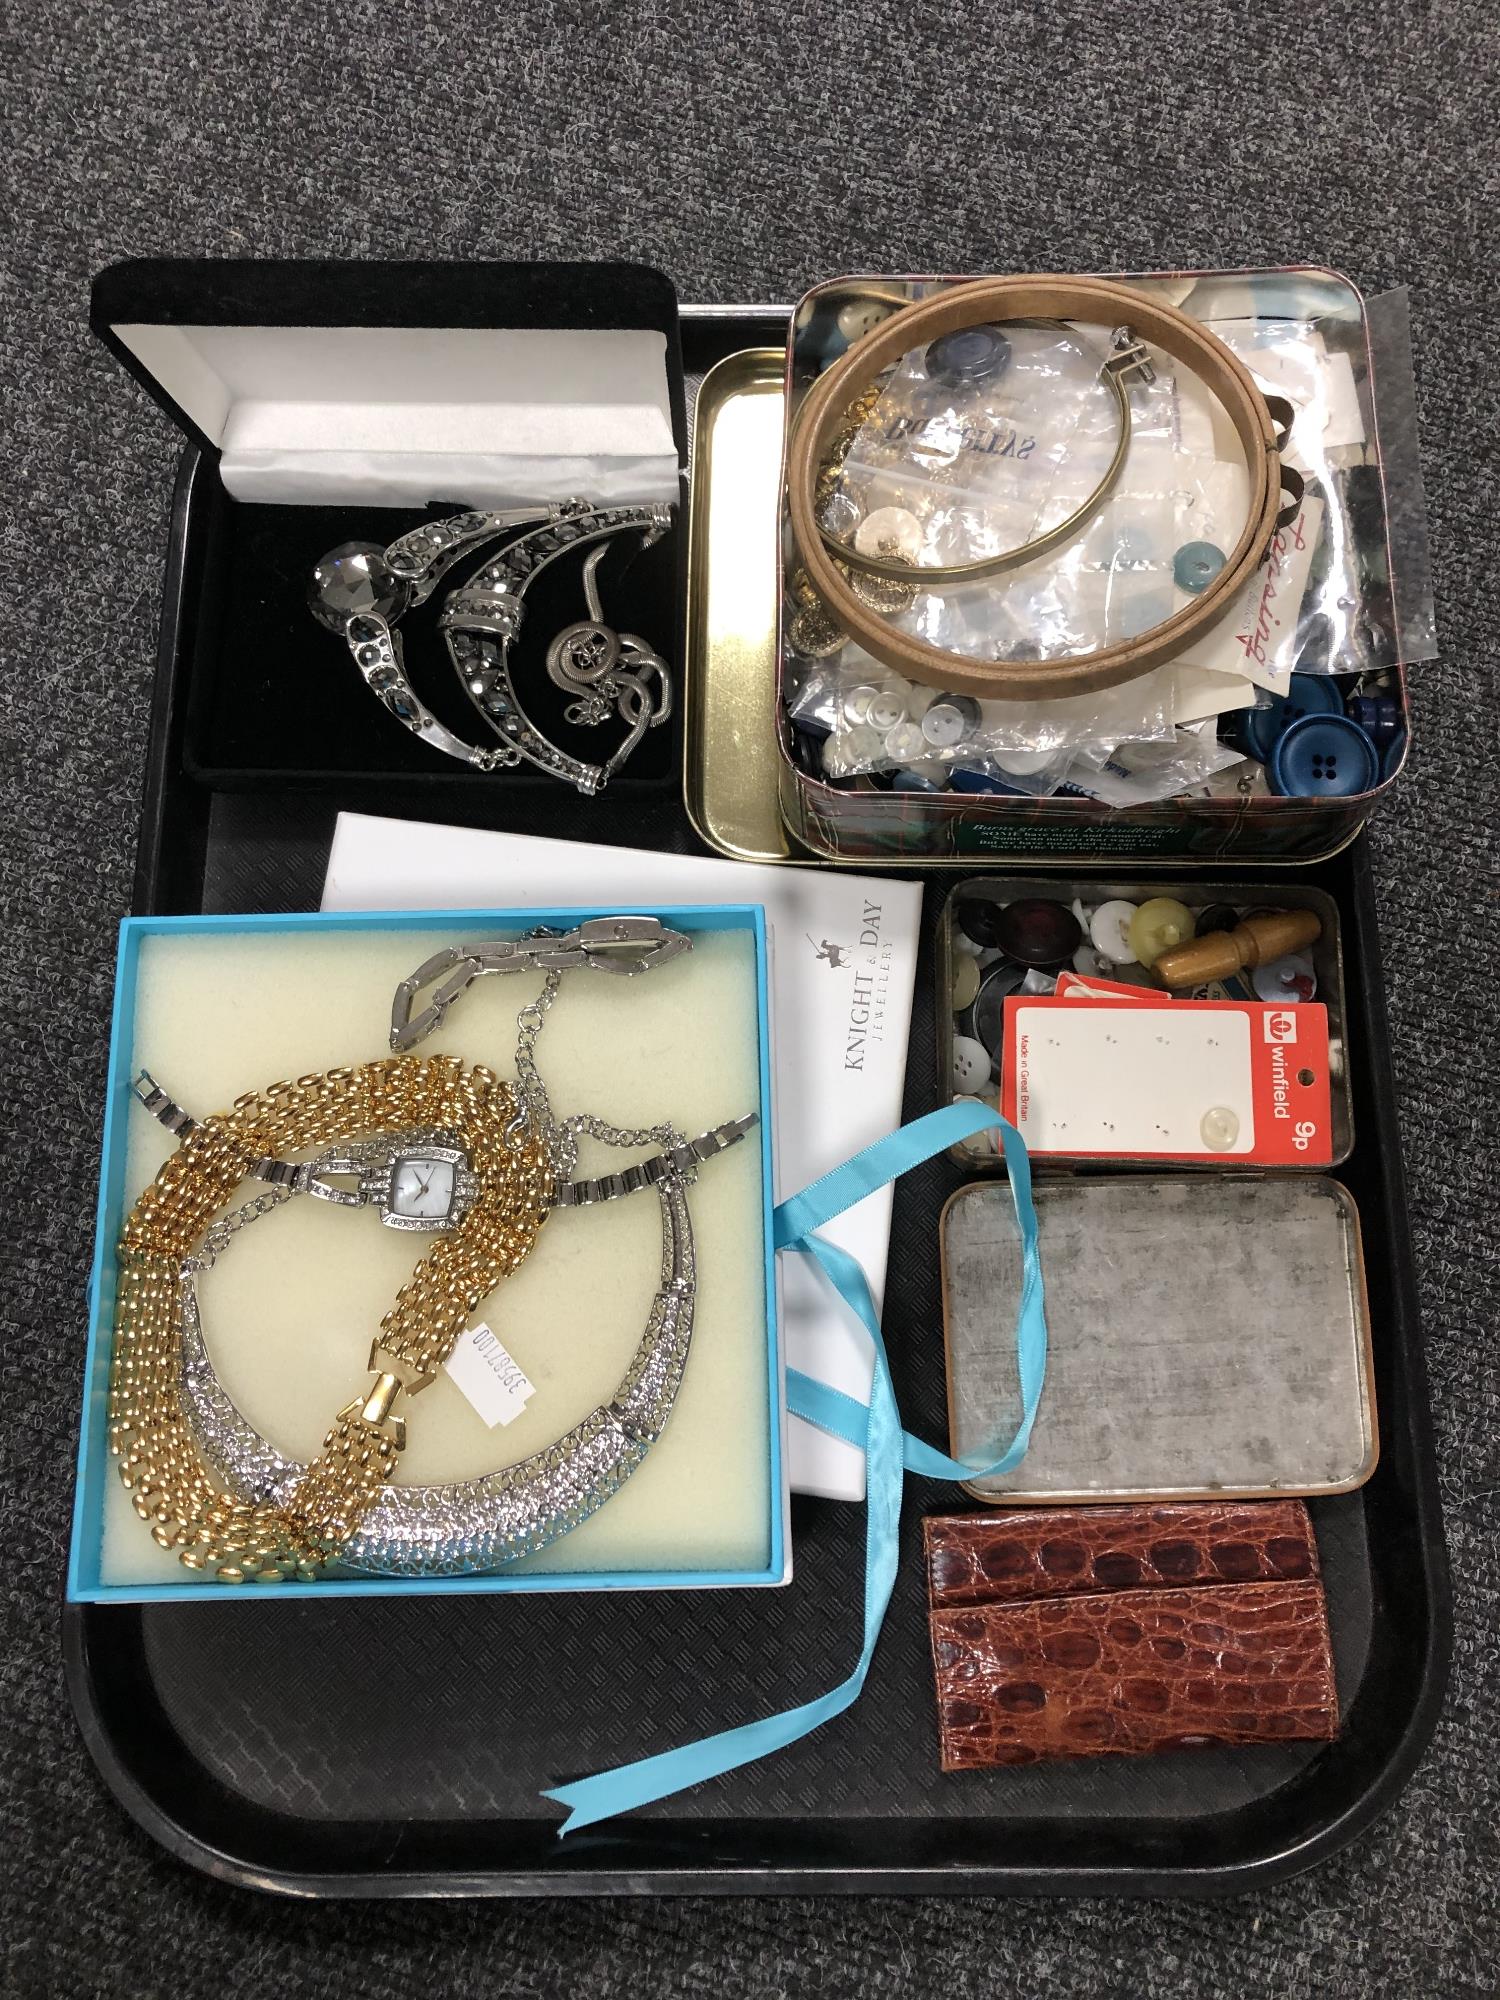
(748, 151)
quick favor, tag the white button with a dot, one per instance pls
(965, 983)
(886, 710)
(891, 532)
(857, 317)
(1023, 763)
(851, 750)
(907, 746)
(854, 703)
(1110, 931)
(1087, 961)
(987, 1141)
(1220, 1127)
(919, 699)
(839, 516)
(1289, 978)
(1160, 924)
(971, 1063)
(943, 726)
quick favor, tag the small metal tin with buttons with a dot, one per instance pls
(1212, 1135)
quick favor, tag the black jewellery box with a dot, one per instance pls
(353, 402)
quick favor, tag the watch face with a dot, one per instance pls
(421, 1189)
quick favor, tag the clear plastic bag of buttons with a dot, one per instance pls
(870, 719)
(1136, 773)
(847, 687)
(976, 444)
(1337, 556)
(944, 470)
(986, 439)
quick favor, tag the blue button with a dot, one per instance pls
(1195, 566)
(1323, 756)
(972, 354)
(1377, 715)
(1256, 729)
(1390, 760)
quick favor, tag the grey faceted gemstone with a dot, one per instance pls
(352, 579)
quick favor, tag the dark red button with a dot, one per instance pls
(1036, 931)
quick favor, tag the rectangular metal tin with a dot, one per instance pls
(1245, 1341)
(1197, 893)
(750, 801)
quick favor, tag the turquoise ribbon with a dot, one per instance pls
(890, 1452)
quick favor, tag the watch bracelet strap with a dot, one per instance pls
(298, 1177)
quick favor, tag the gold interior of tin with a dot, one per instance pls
(730, 775)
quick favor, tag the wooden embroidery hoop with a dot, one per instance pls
(1261, 425)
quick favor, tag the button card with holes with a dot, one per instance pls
(1234, 1082)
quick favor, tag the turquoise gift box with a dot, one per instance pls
(213, 1006)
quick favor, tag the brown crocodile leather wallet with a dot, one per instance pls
(1086, 1631)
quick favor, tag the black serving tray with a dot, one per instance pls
(396, 1747)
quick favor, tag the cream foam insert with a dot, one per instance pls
(292, 1305)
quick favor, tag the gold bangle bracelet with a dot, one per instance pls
(1127, 359)
(1100, 301)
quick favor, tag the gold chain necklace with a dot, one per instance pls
(170, 1486)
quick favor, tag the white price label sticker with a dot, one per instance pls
(491, 1380)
